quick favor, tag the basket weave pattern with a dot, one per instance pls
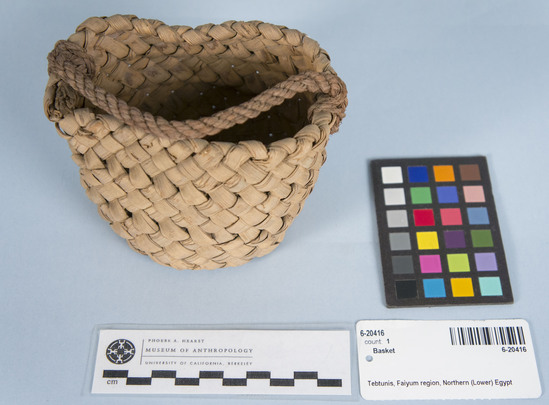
(199, 146)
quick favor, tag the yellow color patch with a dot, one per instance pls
(444, 173)
(427, 240)
(462, 287)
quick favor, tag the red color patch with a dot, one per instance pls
(424, 218)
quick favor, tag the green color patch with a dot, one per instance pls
(421, 195)
(482, 238)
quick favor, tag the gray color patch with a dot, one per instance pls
(402, 264)
(400, 241)
(397, 219)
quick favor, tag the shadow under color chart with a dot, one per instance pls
(438, 231)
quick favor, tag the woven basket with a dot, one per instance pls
(199, 146)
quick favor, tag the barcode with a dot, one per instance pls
(502, 335)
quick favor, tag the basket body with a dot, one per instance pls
(195, 203)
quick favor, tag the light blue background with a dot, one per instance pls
(425, 78)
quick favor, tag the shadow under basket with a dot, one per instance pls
(198, 145)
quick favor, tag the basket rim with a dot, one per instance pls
(197, 36)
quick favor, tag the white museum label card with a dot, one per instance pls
(265, 362)
(446, 360)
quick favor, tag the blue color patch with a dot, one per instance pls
(478, 216)
(447, 195)
(418, 174)
(434, 288)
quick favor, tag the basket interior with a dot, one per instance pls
(189, 86)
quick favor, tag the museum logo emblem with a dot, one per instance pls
(120, 351)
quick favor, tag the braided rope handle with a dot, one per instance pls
(72, 65)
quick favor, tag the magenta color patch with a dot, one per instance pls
(430, 264)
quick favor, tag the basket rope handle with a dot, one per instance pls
(72, 65)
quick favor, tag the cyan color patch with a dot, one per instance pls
(434, 288)
(490, 286)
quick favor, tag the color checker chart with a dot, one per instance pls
(439, 234)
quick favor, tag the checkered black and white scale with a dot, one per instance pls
(234, 382)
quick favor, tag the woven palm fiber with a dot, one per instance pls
(199, 146)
